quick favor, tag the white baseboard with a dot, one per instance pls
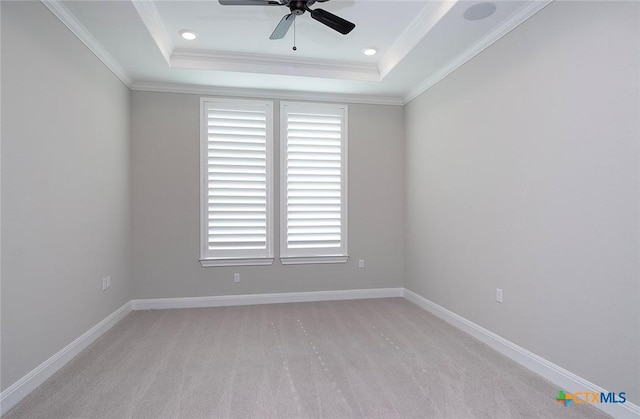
(558, 375)
(21, 388)
(250, 299)
(564, 379)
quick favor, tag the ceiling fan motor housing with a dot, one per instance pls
(288, 3)
(298, 7)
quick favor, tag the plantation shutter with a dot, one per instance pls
(237, 164)
(313, 173)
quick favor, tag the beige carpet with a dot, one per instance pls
(383, 358)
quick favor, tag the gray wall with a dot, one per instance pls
(522, 174)
(166, 206)
(65, 188)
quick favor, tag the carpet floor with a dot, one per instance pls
(384, 358)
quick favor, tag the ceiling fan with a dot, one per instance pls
(297, 7)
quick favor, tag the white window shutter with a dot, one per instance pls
(236, 181)
(313, 183)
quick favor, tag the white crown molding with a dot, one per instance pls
(21, 388)
(566, 380)
(413, 34)
(265, 94)
(257, 63)
(527, 11)
(272, 64)
(252, 299)
(152, 20)
(69, 20)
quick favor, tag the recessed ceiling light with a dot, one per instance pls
(188, 35)
(479, 11)
(370, 51)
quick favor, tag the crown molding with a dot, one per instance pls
(69, 20)
(272, 64)
(152, 20)
(257, 63)
(413, 34)
(265, 94)
(519, 17)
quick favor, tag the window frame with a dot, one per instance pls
(250, 258)
(316, 255)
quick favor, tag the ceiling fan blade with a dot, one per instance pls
(249, 3)
(334, 22)
(283, 27)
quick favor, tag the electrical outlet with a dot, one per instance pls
(236, 277)
(498, 295)
(361, 263)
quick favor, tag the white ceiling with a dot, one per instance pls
(419, 42)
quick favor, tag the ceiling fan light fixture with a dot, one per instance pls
(369, 51)
(188, 35)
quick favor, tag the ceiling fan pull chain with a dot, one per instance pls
(294, 36)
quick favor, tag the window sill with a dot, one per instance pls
(210, 263)
(313, 259)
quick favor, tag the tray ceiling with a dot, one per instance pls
(418, 43)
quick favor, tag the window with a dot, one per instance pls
(237, 187)
(236, 182)
(313, 183)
